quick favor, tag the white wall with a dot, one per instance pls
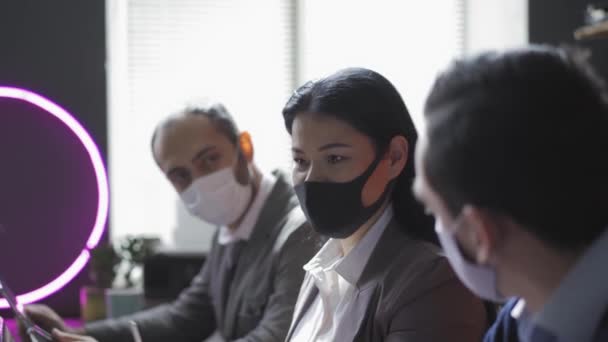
(406, 41)
(495, 24)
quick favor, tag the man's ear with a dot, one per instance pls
(480, 234)
(246, 146)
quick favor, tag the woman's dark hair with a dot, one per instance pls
(370, 103)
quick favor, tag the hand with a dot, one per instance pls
(45, 318)
(61, 336)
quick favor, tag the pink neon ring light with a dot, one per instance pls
(102, 189)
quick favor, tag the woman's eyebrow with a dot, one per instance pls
(333, 145)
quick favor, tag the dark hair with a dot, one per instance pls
(371, 104)
(523, 133)
(214, 111)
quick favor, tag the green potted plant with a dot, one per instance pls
(103, 266)
(134, 250)
(127, 297)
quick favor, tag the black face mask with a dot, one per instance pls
(335, 209)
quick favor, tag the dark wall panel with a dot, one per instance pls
(58, 49)
(554, 21)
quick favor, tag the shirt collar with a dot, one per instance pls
(244, 230)
(351, 266)
(583, 292)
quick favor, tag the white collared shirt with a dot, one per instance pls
(577, 306)
(336, 276)
(245, 229)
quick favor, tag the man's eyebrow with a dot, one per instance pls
(204, 151)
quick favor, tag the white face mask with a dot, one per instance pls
(480, 279)
(217, 198)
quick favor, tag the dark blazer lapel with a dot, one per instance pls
(391, 242)
(269, 224)
(307, 296)
(357, 313)
(224, 278)
(270, 221)
(358, 310)
(267, 227)
(364, 299)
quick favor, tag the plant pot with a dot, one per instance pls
(92, 303)
(121, 302)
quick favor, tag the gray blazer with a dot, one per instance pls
(247, 298)
(407, 292)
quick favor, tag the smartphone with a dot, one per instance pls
(35, 333)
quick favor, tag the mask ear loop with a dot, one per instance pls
(388, 190)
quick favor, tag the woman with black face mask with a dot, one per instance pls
(379, 277)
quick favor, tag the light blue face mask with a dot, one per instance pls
(480, 279)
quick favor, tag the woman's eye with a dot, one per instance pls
(334, 159)
(300, 163)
